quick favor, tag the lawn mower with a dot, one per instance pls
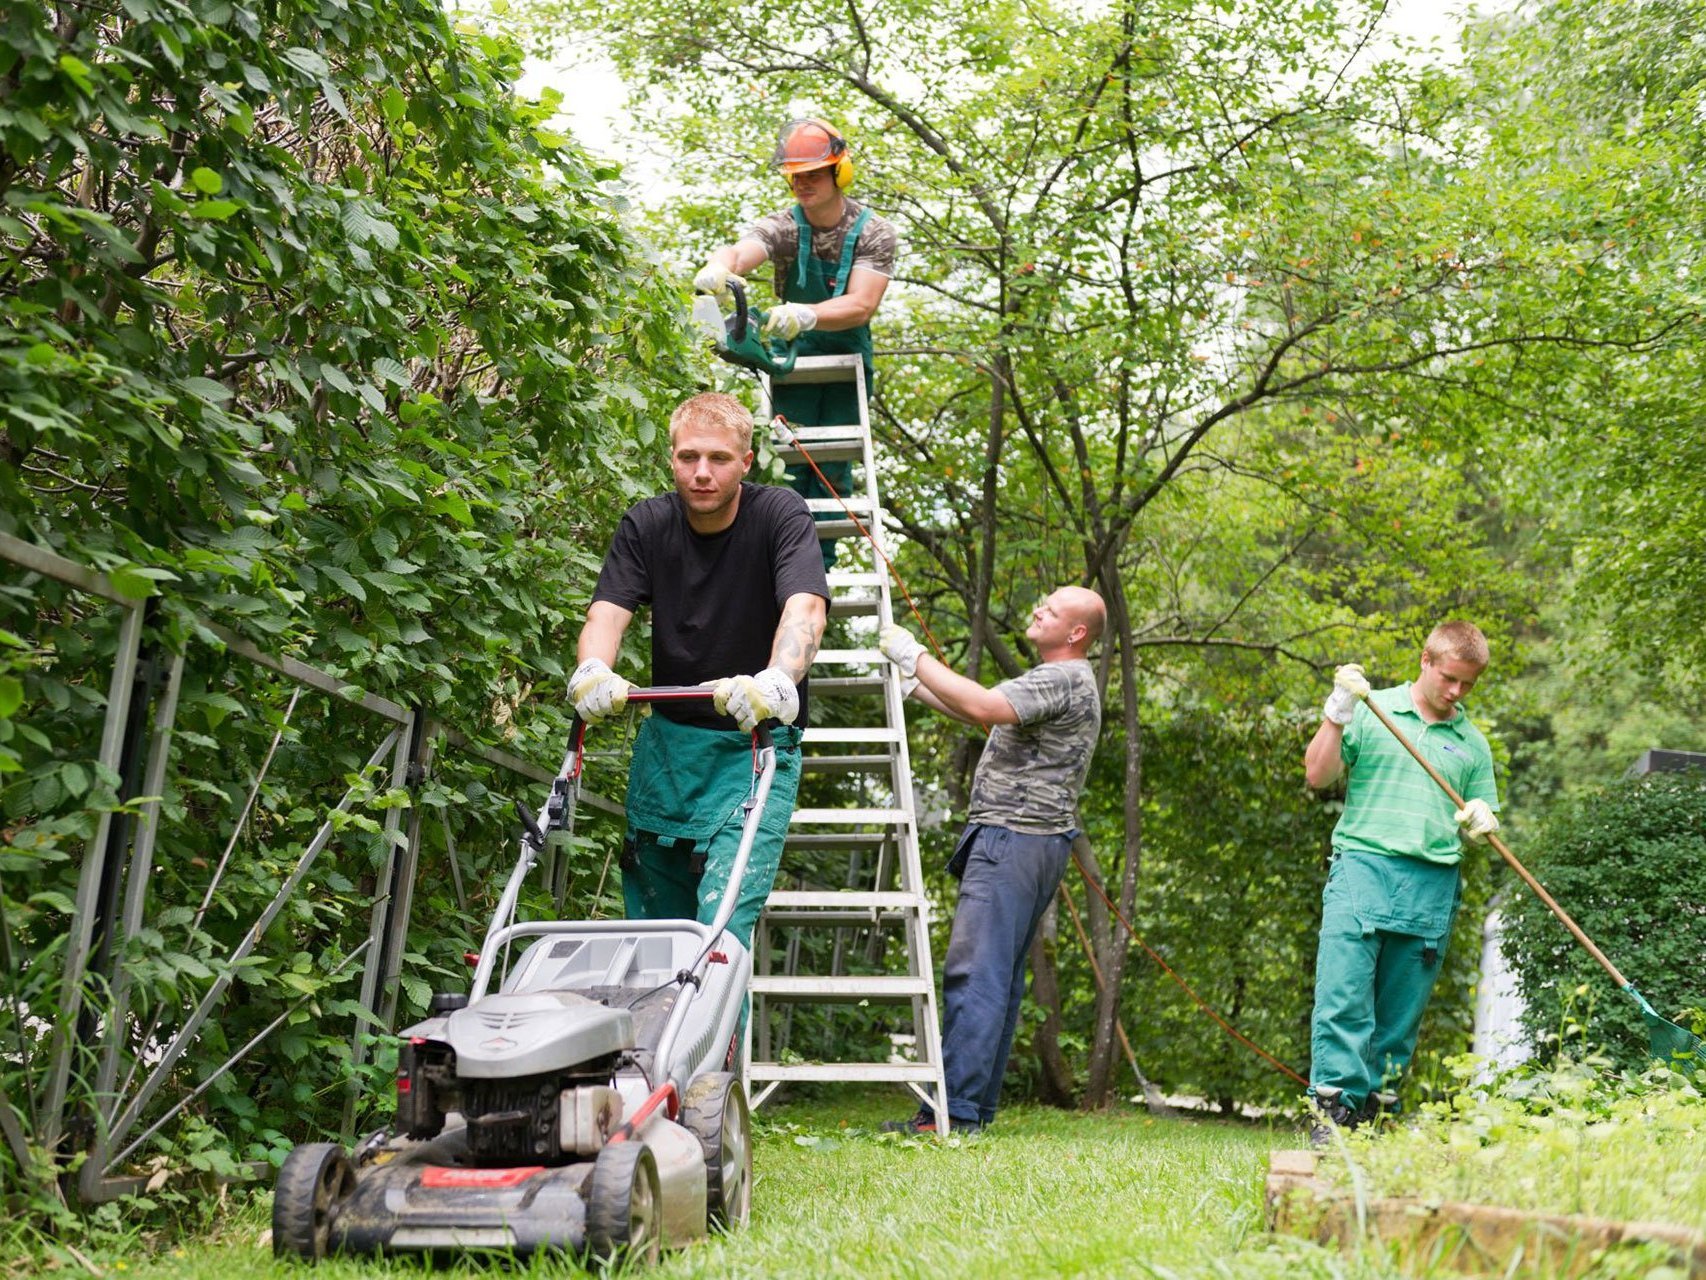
(591, 1104)
(738, 339)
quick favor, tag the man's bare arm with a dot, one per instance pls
(601, 637)
(799, 633)
(1322, 761)
(962, 698)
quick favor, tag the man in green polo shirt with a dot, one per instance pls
(1393, 888)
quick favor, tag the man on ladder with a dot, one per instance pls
(833, 260)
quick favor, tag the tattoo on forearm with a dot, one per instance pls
(797, 641)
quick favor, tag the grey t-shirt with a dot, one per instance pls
(1031, 772)
(780, 236)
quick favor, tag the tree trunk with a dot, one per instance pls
(1111, 940)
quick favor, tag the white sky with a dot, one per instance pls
(595, 100)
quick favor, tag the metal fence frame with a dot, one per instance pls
(112, 890)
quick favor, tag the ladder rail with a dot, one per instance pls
(873, 758)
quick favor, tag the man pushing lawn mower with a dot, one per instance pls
(591, 1102)
(1394, 884)
(736, 585)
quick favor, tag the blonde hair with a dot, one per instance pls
(713, 409)
(1457, 639)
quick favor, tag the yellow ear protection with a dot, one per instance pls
(808, 144)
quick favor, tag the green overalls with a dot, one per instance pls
(687, 787)
(823, 404)
(1385, 923)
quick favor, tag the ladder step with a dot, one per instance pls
(872, 900)
(849, 657)
(845, 764)
(808, 369)
(823, 919)
(856, 1072)
(780, 987)
(819, 735)
(845, 686)
(842, 528)
(833, 841)
(855, 606)
(829, 451)
(837, 581)
(850, 817)
(858, 504)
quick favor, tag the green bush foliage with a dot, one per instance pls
(308, 325)
(1628, 862)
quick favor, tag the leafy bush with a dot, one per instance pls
(307, 320)
(1629, 864)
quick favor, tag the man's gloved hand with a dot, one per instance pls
(749, 699)
(1477, 820)
(598, 691)
(901, 648)
(714, 278)
(789, 321)
(1349, 685)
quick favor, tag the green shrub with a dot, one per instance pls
(1629, 863)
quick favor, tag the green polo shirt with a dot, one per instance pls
(1392, 807)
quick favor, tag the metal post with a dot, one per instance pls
(50, 1118)
(251, 939)
(382, 928)
(404, 873)
(135, 900)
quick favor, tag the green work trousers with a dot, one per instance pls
(687, 789)
(1372, 981)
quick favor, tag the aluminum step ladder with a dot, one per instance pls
(848, 923)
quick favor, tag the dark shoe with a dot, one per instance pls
(925, 1122)
(1379, 1108)
(1330, 1116)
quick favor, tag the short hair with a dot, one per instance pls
(1457, 639)
(713, 409)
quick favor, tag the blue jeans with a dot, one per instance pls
(1010, 878)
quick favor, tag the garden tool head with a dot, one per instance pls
(741, 342)
(1667, 1041)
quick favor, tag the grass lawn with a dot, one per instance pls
(1044, 1193)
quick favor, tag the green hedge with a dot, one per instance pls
(1628, 862)
(308, 324)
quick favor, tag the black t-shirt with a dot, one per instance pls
(715, 598)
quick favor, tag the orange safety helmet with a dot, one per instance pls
(804, 145)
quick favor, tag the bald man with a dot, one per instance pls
(1019, 830)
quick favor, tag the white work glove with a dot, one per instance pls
(789, 321)
(900, 648)
(1349, 685)
(749, 699)
(1477, 820)
(597, 690)
(714, 278)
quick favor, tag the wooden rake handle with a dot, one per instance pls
(1574, 928)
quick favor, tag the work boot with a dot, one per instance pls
(1380, 1107)
(925, 1122)
(1330, 1113)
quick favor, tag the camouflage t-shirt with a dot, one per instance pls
(1031, 772)
(780, 236)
